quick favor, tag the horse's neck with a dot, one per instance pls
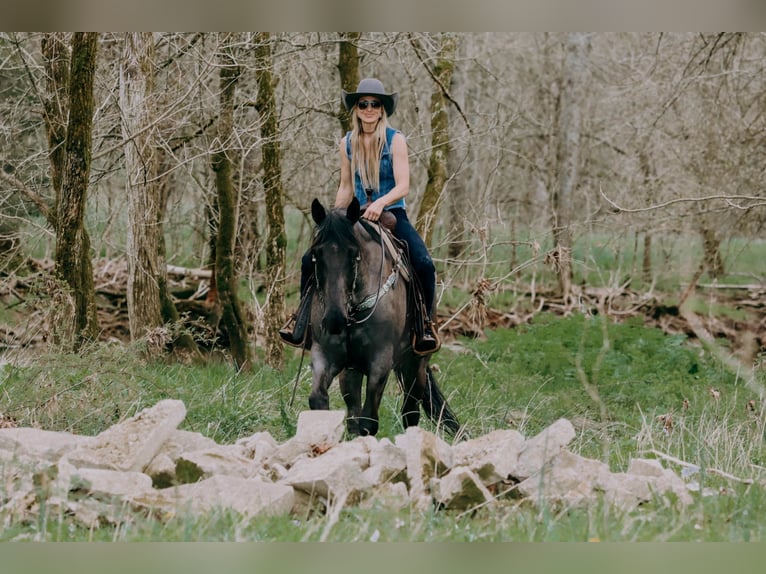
(373, 273)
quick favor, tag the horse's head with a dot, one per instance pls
(335, 253)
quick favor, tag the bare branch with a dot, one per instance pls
(31, 195)
(729, 199)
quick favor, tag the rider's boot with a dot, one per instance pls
(427, 341)
(295, 331)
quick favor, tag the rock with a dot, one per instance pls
(644, 480)
(40, 444)
(162, 467)
(162, 471)
(427, 457)
(132, 444)
(258, 447)
(222, 459)
(330, 477)
(573, 480)
(107, 485)
(320, 428)
(389, 497)
(181, 441)
(543, 447)
(568, 478)
(460, 488)
(493, 456)
(645, 467)
(316, 432)
(148, 463)
(306, 505)
(93, 496)
(249, 497)
(388, 463)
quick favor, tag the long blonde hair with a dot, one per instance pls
(365, 160)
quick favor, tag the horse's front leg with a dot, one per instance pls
(376, 384)
(351, 388)
(322, 375)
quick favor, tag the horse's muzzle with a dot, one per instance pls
(334, 321)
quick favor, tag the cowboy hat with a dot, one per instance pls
(371, 87)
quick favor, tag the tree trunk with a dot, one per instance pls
(458, 199)
(650, 178)
(142, 249)
(276, 242)
(56, 108)
(437, 166)
(348, 66)
(574, 82)
(73, 264)
(711, 246)
(184, 345)
(232, 320)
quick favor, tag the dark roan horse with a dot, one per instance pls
(361, 325)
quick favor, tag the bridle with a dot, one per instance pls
(370, 301)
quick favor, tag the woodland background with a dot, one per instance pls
(165, 178)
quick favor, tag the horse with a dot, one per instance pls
(361, 324)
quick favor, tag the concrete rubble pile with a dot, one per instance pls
(146, 464)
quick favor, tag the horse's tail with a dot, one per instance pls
(436, 407)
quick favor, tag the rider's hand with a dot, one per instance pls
(373, 211)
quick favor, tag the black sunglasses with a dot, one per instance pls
(364, 103)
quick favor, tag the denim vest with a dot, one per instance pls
(387, 181)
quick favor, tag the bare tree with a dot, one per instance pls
(233, 322)
(276, 241)
(55, 105)
(441, 72)
(459, 197)
(574, 82)
(73, 263)
(138, 128)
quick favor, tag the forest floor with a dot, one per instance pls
(733, 317)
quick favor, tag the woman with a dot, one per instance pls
(374, 167)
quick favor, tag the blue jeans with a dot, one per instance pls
(419, 258)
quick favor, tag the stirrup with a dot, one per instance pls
(296, 331)
(287, 333)
(428, 342)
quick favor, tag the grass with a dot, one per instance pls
(611, 380)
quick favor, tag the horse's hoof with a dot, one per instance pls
(368, 430)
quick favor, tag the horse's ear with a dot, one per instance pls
(353, 210)
(317, 211)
